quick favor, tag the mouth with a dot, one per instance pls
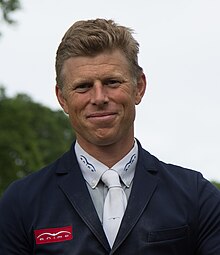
(102, 116)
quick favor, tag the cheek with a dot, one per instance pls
(66, 108)
(75, 109)
(74, 120)
(74, 103)
(129, 109)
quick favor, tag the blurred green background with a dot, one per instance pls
(31, 136)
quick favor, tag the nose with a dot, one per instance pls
(99, 94)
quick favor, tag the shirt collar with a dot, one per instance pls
(92, 169)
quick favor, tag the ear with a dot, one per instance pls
(140, 88)
(61, 99)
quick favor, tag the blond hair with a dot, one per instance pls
(91, 37)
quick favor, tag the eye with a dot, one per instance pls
(114, 83)
(82, 87)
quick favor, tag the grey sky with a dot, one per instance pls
(179, 118)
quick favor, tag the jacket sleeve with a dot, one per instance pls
(13, 237)
(208, 232)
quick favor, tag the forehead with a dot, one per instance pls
(108, 62)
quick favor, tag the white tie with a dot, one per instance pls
(114, 206)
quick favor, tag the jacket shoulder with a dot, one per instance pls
(176, 176)
(45, 176)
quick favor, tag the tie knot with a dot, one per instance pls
(111, 178)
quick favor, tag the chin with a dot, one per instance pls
(104, 140)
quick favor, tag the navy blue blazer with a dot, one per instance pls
(171, 210)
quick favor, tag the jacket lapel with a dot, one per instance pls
(73, 185)
(144, 185)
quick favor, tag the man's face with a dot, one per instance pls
(100, 96)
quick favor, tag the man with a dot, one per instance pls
(62, 208)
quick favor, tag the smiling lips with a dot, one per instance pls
(102, 116)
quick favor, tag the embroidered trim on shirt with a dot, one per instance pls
(133, 157)
(88, 165)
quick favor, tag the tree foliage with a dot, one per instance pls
(217, 184)
(31, 136)
(7, 7)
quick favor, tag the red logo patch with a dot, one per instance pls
(53, 235)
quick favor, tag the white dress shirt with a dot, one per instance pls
(92, 170)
